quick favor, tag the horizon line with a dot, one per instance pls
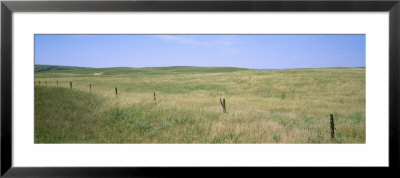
(204, 66)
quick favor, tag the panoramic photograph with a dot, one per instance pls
(200, 89)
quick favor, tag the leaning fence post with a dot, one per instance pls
(332, 127)
(223, 104)
(155, 99)
(70, 84)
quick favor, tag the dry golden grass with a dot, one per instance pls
(280, 106)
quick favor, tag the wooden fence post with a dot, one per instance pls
(332, 127)
(116, 91)
(90, 87)
(57, 82)
(70, 84)
(155, 99)
(39, 82)
(223, 104)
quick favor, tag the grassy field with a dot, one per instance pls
(263, 106)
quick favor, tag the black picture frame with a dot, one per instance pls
(8, 7)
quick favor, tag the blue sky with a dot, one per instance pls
(248, 51)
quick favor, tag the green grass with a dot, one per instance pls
(65, 116)
(263, 106)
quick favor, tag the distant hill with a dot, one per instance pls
(192, 69)
(156, 70)
(42, 68)
(147, 70)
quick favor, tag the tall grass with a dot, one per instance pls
(280, 106)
